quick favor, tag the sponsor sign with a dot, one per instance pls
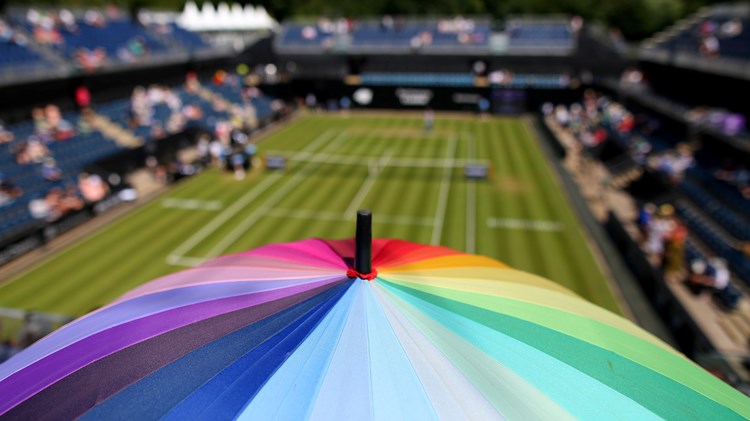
(414, 97)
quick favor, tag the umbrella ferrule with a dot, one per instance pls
(363, 243)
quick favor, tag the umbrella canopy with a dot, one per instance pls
(281, 332)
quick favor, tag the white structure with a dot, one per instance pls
(225, 18)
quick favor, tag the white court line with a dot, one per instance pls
(336, 216)
(191, 204)
(405, 220)
(372, 177)
(445, 186)
(276, 197)
(177, 256)
(525, 224)
(306, 214)
(395, 162)
(471, 204)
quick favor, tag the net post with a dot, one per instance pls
(363, 242)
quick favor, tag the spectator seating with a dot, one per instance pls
(728, 219)
(14, 55)
(189, 40)
(374, 34)
(728, 25)
(301, 35)
(726, 194)
(71, 155)
(114, 38)
(728, 297)
(530, 34)
(704, 230)
(121, 39)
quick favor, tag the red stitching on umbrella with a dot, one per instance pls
(351, 273)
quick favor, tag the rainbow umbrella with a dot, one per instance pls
(309, 330)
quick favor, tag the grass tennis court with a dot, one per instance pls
(413, 182)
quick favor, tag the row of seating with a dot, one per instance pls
(723, 33)
(520, 34)
(733, 223)
(122, 39)
(730, 296)
(73, 154)
(533, 34)
(703, 229)
(726, 194)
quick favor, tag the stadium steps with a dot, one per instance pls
(677, 28)
(622, 180)
(116, 132)
(212, 96)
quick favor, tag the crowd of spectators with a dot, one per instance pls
(226, 144)
(63, 194)
(52, 27)
(597, 118)
(9, 36)
(663, 237)
(8, 190)
(465, 31)
(711, 33)
(736, 175)
(56, 203)
(722, 120)
(142, 110)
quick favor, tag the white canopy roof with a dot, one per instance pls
(225, 18)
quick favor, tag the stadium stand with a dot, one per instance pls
(15, 52)
(715, 40)
(522, 36)
(529, 35)
(720, 31)
(167, 111)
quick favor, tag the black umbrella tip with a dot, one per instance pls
(363, 242)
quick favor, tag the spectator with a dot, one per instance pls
(94, 18)
(82, 97)
(8, 191)
(238, 161)
(92, 187)
(60, 202)
(731, 28)
(40, 209)
(709, 46)
(657, 232)
(50, 171)
(713, 275)
(91, 59)
(41, 127)
(674, 247)
(646, 217)
(5, 135)
(429, 120)
(60, 128)
(32, 151)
